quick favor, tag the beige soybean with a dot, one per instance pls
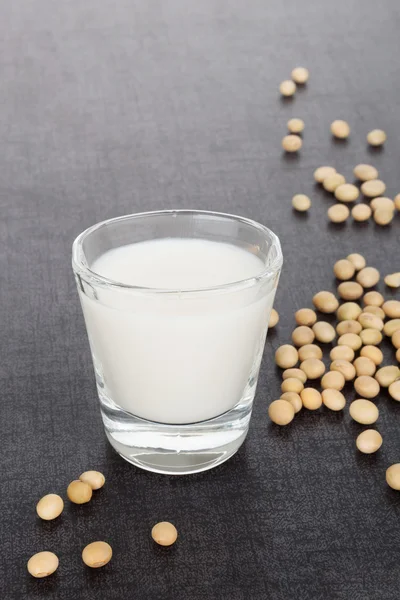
(281, 412)
(324, 332)
(323, 172)
(79, 492)
(302, 335)
(361, 212)
(343, 269)
(294, 400)
(286, 356)
(387, 375)
(376, 137)
(350, 290)
(375, 310)
(369, 441)
(340, 129)
(50, 507)
(309, 351)
(313, 368)
(273, 318)
(382, 202)
(393, 476)
(347, 192)
(371, 337)
(391, 326)
(305, 316)
(301, 202)
(394, 390)
(333, 181)
(391, 309)
(368, 277)
(292, 143)
(342, 353)
(350, 326)
(97, 554)
(364, 366)
(295, 125)
(372, 352)
(296, 373)
(287, 88)
(393, 280)
(345, 368)
(300, 75)
(338, 213)
(42, 564)
(373, 188)
(292, 385)
(333, 380)
(311, 398)
(349, 311)
(333, 399)
(325, 302)
(397, 201)
(373, 299)
(398, 355)
(366, 386)
(365, 172)
(396, 339)
(370, 321)
(95, 479)
(358, 260)
(350, 339)
(364, 411)
(383, 216)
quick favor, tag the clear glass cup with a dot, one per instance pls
(176, 370)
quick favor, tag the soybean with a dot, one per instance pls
(347, 192)
(348, 327)
(361, 212)
(42, 564)
(387, 375)
(382, 216)
(313, 368)
(372, 352)
(345, 368)
(323, 172)
(325, 302)
(348, 311)
(311, 398)
(294, 400)
(375, 310)
(301, 202)
(50, 507)
(292, 385)
(338, 213)
(342, 353)
(273, 318)
(370, 321)
(376, 137)
(305, 316)
(382, 203)
(286, 356)
(95, 479)
(374, 299)
(369, 441)
(396, 339)
(287, 88)
(365, 172)
(295, 125)
(97, 554)
(309, 351)
(394, 390)
(296, 373)
(391, 326)
(300, 75)
(333, 181)
(344, 269)
(292, 143)
(350, 339)
(79, 492)
(324, 332)
(391, 309)
(364, 411)
(333, 380)
(373, 188)
(280, 412)
(397, 201)
(393, 280)
(366, 386)
(340, 129)
(371, 337)
(302, 336)
(364, 366)
(333, 399)
(368, 277)
(393, 476)
(350, 290)
(358, 260)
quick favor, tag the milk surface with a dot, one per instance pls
(177, 358)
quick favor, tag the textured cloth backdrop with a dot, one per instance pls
(115, 106)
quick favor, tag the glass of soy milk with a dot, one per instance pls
(176, 305)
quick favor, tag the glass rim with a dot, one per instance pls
(81, 268)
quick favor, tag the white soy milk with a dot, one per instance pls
(172, 357)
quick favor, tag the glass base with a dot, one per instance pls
(176, 449)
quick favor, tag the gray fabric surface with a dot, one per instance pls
(120, 106)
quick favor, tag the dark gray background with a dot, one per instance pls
(115, 106)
